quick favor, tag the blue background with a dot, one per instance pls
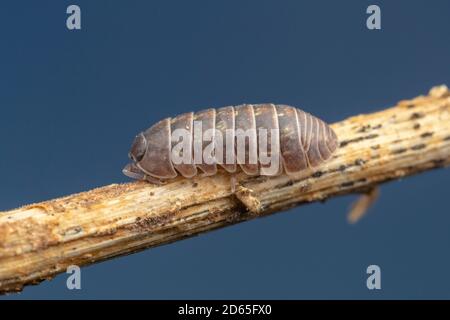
(71, 102)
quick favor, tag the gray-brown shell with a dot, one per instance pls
(301, 140)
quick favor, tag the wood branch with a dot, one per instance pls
(40, 240)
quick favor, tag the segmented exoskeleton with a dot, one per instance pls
(297, 138)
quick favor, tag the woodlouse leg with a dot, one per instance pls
(154, 180)
(203, 174)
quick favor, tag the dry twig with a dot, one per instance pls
(40, 240)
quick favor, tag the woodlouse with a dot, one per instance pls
(295, 137)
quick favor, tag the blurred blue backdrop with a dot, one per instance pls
(71, 102)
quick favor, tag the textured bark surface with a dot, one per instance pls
(40, 240)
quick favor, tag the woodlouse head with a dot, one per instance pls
(137, 152)
(138, 148)
(132, 171)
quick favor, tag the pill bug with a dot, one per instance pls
(297, 138)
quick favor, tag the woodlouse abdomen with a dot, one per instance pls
(261, 139)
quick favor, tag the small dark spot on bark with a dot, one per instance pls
(375, 147)
(396, 141)
(195, 185)
(317, 174)
(305, 188)
(342, 167)
(377, 156)
(426, 134)
(152, 193)
(398, 151)
(439, 162)
(378, 126)
(416, 126)
(359, 162)
(346, 142)
(73, 231)
(235, 217)
(364, 128)
(418, 146)
(347, 184)
(410, 106)
(287, 184)
(416, 115)
(447, 138)
(138, 219)
(149, 222)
